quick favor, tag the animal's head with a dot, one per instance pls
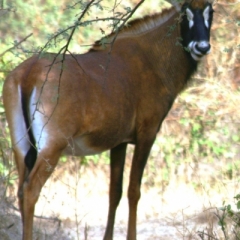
(196, 23)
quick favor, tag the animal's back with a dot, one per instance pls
(68, 94)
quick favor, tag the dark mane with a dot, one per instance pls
(136, 27)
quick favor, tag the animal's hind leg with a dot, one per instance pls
(46, 161)
(21, 168)
(117, 165)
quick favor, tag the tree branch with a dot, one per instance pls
(16, 45)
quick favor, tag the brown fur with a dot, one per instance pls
(198, 4)
(93, 102)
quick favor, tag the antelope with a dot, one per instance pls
(115, 94)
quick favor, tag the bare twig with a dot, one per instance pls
(16, 45)
(119, 29)
(65, 49)
(201, 234)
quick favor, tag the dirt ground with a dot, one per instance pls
(73, 205)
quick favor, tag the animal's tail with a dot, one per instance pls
(31, 155)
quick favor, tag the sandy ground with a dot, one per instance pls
(74, 203)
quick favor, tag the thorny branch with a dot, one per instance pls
(120, 27)
(79, 23)
(16, 45)
(62, 52)
(65, 49)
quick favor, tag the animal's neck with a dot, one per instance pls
(171, 61)
(137, 28)
(156, 40)
(147, 24)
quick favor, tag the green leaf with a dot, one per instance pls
(238, 205)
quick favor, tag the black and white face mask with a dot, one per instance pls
(195, 29)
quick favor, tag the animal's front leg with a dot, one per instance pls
(140, 157)
(116, 176)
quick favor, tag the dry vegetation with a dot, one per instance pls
(192, 175)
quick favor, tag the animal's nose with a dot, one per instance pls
(203, 47)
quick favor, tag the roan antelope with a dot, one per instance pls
(104, 99)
